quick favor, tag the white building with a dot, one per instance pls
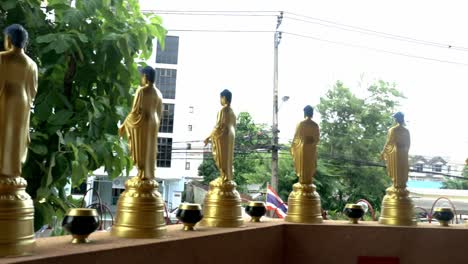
(431, 172)
(425, 181)
(179, 146)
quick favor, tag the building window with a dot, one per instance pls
(189, 127)
(189, 146)
(80, 189)
(169, 54)
(115, 195)
(164, 152)
(190, 109)
(419, 167)
(167, 121)
(166, 82)
(437, 168)
(187, 165)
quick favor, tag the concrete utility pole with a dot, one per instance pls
(274, 129)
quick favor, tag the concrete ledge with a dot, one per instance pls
(268, 242)
(339, 242)
(253, 243)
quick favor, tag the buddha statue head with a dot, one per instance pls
(308, 111)
(15, 37)
(226, 97)
(399, 118)
(148, 75)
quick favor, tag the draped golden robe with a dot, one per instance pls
(18, 87)
(395, 153)
(223, 138)
(304, 150)
(141, 127)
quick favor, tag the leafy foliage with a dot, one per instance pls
(353, 132)
(86, 56)
(286, 175)
(461, 184)
(456, 184)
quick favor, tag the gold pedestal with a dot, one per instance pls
(304, 205)
(140, 211)
(189, 227)
(16, 218)
(397, 208)
(222, 205)
(255, 219)
(77, 239)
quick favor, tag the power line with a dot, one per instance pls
(213, 11)
(266, 148)
(263, 149)
(360, 163)
(307, 19)
(409, 40)
(187, 141)
(326, 159)
(366, 162)
(221, 30)
(376, 49)
(324, 156)
(330, 24)
(322, 40)
(363, 30)
(230, 14)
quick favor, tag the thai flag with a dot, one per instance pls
(274, 202)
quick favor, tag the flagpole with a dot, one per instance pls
(266, 199)
(266, 194)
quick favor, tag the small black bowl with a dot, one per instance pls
(80, 223)
(353, 212)
(190, 215)
(444, 215)
(256, 209)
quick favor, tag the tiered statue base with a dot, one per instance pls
(304, 205)
(16, 218)
(140, 211)
(222, 205)
(397, 208)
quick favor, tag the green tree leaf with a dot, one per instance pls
(60, 118)
(38, 149)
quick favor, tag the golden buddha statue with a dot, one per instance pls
(223, 137)
(304, 148)
(142, 125)
(140, 209)
(395, 152)
(304, 201)
(397, 207)
(18, 87)
(222, 206)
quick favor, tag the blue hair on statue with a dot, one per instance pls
(399, 117)
(17, 34)
(149, 72)
(227, 94)
(308, 111)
